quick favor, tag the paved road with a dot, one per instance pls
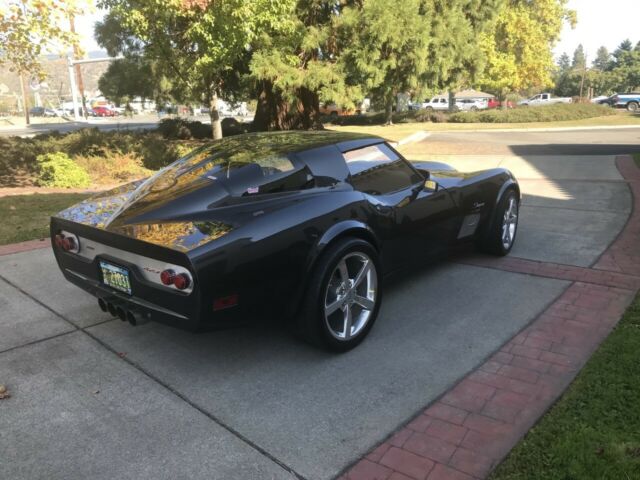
(95, 398)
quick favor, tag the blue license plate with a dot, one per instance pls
(115, 277)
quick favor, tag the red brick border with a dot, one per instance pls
(473, 426)
(24, 246)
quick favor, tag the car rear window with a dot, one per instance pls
(378, 170)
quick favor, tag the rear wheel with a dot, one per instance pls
(632, 106)
(343, 298)
(502, 234)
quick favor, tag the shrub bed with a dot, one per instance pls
(58, 170)
(109, 157)
(547, 113)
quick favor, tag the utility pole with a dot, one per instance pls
(25, 99)
(76, 55)
(584, 72)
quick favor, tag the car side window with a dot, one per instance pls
(378, 170)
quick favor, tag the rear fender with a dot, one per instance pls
(345, 228)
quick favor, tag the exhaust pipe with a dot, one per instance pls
(136, 319)
(102, 304)
(122, 315)
(112, 309)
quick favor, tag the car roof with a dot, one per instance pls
(282, 143)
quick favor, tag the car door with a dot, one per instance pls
(414, 217)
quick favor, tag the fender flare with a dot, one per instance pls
(336, 231)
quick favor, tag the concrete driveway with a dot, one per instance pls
(93, 397)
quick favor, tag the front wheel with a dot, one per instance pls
(343, 297)
(502, 233)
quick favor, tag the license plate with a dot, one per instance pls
(115, 277)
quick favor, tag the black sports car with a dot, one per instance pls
(302, 224)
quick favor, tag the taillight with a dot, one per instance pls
(167, 277)
(182, 281)
(67, 242)
(179, 280)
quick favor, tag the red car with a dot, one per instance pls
(103, 112)
(495, 103)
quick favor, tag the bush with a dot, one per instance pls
(113, 166)
(58, 170)
(546, 113)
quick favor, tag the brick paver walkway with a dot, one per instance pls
(472, 427)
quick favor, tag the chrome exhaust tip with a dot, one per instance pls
(102, 304)
(136, 319)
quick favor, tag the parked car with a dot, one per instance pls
(439, 102)
(299, 224)
(334, 110)
(544, 99)
(471, 105)
(598, 99)
(42, 112)
(495, 103)
(630, 101)
(101, 111)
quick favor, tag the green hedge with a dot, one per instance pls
(547, 113)
(58, 170)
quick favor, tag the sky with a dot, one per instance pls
(599, 23)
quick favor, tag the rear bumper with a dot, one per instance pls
(148, 300)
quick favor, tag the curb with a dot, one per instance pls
(24, 246)
(541, 129)
(471, 428)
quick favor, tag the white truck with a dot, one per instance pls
(544, 99)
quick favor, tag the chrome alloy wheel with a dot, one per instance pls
(350, 297)
(509, 223)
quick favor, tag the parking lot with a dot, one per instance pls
(93, 397)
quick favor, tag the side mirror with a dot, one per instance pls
(424, 173)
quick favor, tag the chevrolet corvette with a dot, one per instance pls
(303, 225)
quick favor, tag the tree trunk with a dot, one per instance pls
(452, 101)
(25, 99)
(216, 125)
(388, 109)
(273, 112)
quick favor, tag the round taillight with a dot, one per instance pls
(181, 281)
(167, 277)
(68, 244)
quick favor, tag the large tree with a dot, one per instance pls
(518, 47)
(295, 63)
(386, 46)
(31, 28)
(196, 43)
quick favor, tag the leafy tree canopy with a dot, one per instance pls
(197, 43)
(518, 47)
(30, 28)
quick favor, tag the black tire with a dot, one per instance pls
(492, 241)
(310, 324)
(632, 106)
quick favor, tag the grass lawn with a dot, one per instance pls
(401, 130)
(636, 157)
(593, 432)
(26, 217)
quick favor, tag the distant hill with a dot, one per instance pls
(57, 87)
